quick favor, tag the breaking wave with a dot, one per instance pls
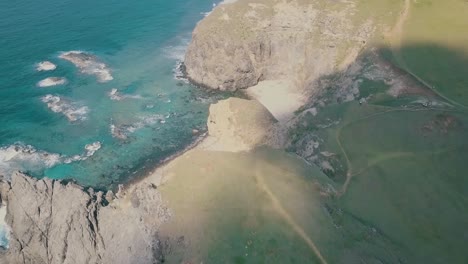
(72, 111)
(179, 72)
(21, 157)
(88, 64)
(52, 81)
(177, 53)
(90, 149)
(115, 95)
(124, 130)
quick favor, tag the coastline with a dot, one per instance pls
(151, 170)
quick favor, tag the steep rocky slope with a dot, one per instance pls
(53, 222)
(242, 43)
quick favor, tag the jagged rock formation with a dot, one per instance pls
(242, 43)
(240, 124)
(56, 223)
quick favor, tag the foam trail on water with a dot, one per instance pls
(88, 64)
(52, 81)
(21, 157)
(90, 150)
(177, 53)
(123, 131)
(72, 111)
(45, 66)
(115, 95)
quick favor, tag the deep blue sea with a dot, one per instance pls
(116, 107)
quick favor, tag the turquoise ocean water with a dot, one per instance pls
(120, 110)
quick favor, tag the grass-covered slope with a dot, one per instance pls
(385, 143)
(431, 43)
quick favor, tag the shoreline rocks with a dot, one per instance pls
(56, 223)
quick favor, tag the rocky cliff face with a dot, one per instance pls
(242, 43)
(52, 222)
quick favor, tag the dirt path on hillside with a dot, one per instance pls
(351, 172)
(288, 218)
(396, 42)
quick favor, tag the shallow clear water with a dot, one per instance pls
(149, 116)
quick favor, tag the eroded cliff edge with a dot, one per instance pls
(243, 42)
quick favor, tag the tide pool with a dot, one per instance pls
(89, 90)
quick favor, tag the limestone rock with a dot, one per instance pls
(240, 124)
(55, 223)
(247, 41)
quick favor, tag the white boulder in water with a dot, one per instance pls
(45, 66)
(52, 81)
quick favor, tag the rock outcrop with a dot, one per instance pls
(52, 222)
(247, 41)
(239, 124)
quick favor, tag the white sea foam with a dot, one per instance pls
(73, 111)
(177, 53)
(45, 66)
(118, 132)
(88, 64)
(52, 81)
(115, 95)
(179, 72)
(90, 150)
(20, 157)
(4, 227)
(123, 131)
(153, 119)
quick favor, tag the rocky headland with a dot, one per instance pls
(276, 50)
(291, 58)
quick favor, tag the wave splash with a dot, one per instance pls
(115, 95)
(123, 131)
(88, 64)
(72, 111)
(21, 157)
(177, 53)
(69, 109)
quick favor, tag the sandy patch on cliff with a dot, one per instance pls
(279, 97)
